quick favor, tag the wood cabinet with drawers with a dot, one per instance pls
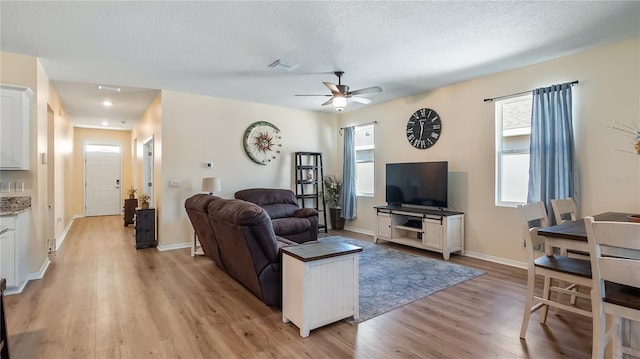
(146, 228)
(130, 205)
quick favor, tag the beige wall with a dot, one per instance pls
(27, 71)
(21, 70)
(62, 161)
(196, 129)
(83, 136)
(149, 126)
(608, 89)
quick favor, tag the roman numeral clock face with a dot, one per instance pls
(423, 128)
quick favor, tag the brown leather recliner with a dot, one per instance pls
(197, 210)
(248, 246)
(289, 220)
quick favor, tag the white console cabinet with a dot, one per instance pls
(439, 231)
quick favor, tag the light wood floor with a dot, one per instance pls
(102, 298)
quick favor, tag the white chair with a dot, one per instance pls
(564, 210)
(572, 270)
(616, 283)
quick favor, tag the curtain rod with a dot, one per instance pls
(519, 93)
(360, 124)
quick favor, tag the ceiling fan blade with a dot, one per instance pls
(315, 95)
(363, 100)
(332, 87)
(328, 102)
(366, 90)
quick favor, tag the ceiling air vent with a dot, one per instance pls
(283, 65)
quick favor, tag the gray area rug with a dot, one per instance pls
(390, 278)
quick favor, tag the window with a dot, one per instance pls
(365, 148)
(103, 148)
(513, 134)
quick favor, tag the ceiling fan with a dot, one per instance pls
(340, 93)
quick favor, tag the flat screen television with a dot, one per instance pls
(417, 183)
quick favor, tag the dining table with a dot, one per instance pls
(572, 235)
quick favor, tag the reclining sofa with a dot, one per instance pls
(239, 237)
(289, 220)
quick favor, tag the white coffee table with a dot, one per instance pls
(319, 284)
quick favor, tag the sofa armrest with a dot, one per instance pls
(305, 212)
(283, 242)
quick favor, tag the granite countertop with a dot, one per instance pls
(10, 206)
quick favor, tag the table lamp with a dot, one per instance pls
(211, 184)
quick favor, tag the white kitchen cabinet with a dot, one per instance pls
(14, 248)
(15, 110)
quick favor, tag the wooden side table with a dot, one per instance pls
(196, 247)
(146, 228)
(319, 284)
(130, 205)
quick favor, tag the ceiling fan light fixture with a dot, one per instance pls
(339, 102)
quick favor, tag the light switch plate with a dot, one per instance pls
(174, 183)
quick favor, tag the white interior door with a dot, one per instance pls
(102, 180)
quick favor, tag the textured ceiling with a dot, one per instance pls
(223, 49)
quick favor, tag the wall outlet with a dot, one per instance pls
(51, 244)
(5, 187)
(174, 183)
(19, 186)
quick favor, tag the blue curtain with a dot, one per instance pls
(348, 198)
(552, 166)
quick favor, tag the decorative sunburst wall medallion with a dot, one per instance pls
(262, 142)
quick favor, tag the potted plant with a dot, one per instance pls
(333, 187)
(144, 201)
(132, 192)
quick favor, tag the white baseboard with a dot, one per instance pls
(40, 274)
(484, 257)
(507, 262)
(16, 290)
(43, 268)
(359, 230)
(30, 276)
(171, 247)
(63, 235)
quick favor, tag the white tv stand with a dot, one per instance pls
(435, 230)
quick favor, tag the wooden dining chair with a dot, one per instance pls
(572, 271)
(564, 210)
(616, 284)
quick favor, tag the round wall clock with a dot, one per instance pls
(262, 142)
(423, 128)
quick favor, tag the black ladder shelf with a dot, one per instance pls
(310, 184)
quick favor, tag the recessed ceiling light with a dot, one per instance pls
(105, 123)
(108, 88)
(283, 65)
(107, 103)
